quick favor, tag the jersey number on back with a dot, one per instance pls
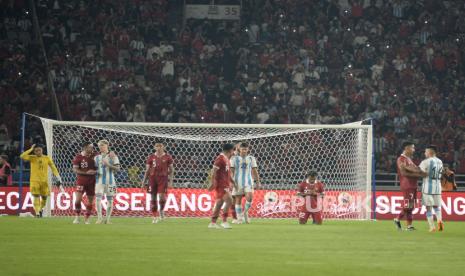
(436, 173)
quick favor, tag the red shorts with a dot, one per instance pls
(221, 191)
(410, 197)
(158, 184)
(316, 216)
(86, 188)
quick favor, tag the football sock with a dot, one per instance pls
(429, 216)
(233, 212)
(437, 211)
(77, 208)
(36, 204)
(98, 205)
(89, 210)
(238, 209)
(109, 206)
(225, 216)
(43, 202)
(247, 206)
(162, 208)
(409, 216)
(402, 214)
(154, 206)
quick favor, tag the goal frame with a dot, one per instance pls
(48, 125)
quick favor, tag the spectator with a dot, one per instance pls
(397, 61)
(5, 171)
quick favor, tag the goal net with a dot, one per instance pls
(341, 154)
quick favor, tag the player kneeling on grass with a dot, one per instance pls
(39, 176)
(312, 191)
(84, 168)
(107, 164)
(432, 169)
(244, 172)
(221, 183)
(159, 166)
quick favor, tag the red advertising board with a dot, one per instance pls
(389, 205)
(266, 204)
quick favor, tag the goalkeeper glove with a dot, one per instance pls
(58, 184)
(58, 180)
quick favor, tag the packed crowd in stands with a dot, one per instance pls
(398, 62)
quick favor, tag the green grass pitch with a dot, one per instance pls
(134, 246)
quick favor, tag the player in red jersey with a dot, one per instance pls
(312, 191)
(160, 172)
(84, 168)
(408, 174)
(222, 184)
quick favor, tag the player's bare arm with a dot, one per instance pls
(115, 167)
(233, 171)
(171, 176)
(412, 171)
(422, 173)
(256, 177)
(146, 174)
(213, 181)
(302, 194)
(78, 171)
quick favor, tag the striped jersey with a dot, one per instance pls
(105, 175)
(432, 182)
(243, 170)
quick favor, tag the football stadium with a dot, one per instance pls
(232, 137)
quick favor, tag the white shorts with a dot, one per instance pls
(431, 200)
(109, 190)
(242, 190)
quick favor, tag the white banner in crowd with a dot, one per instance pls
(218, 12)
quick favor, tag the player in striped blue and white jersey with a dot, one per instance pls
(432, 169)
(107, 164)
(244, 171)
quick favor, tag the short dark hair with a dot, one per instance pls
(39, 146)
(433, 148)
(85, 144)
(312, 174)
(406, 144)
(244, 145)
(228, 146)
(158, 141)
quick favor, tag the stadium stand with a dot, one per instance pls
(297, 61)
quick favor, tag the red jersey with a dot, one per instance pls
(159, 165)
(223, 174)
(306, 187)
(406, 182)
(84, 163)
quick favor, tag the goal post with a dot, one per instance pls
(341, 154)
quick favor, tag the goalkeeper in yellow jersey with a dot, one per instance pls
(39, 176)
